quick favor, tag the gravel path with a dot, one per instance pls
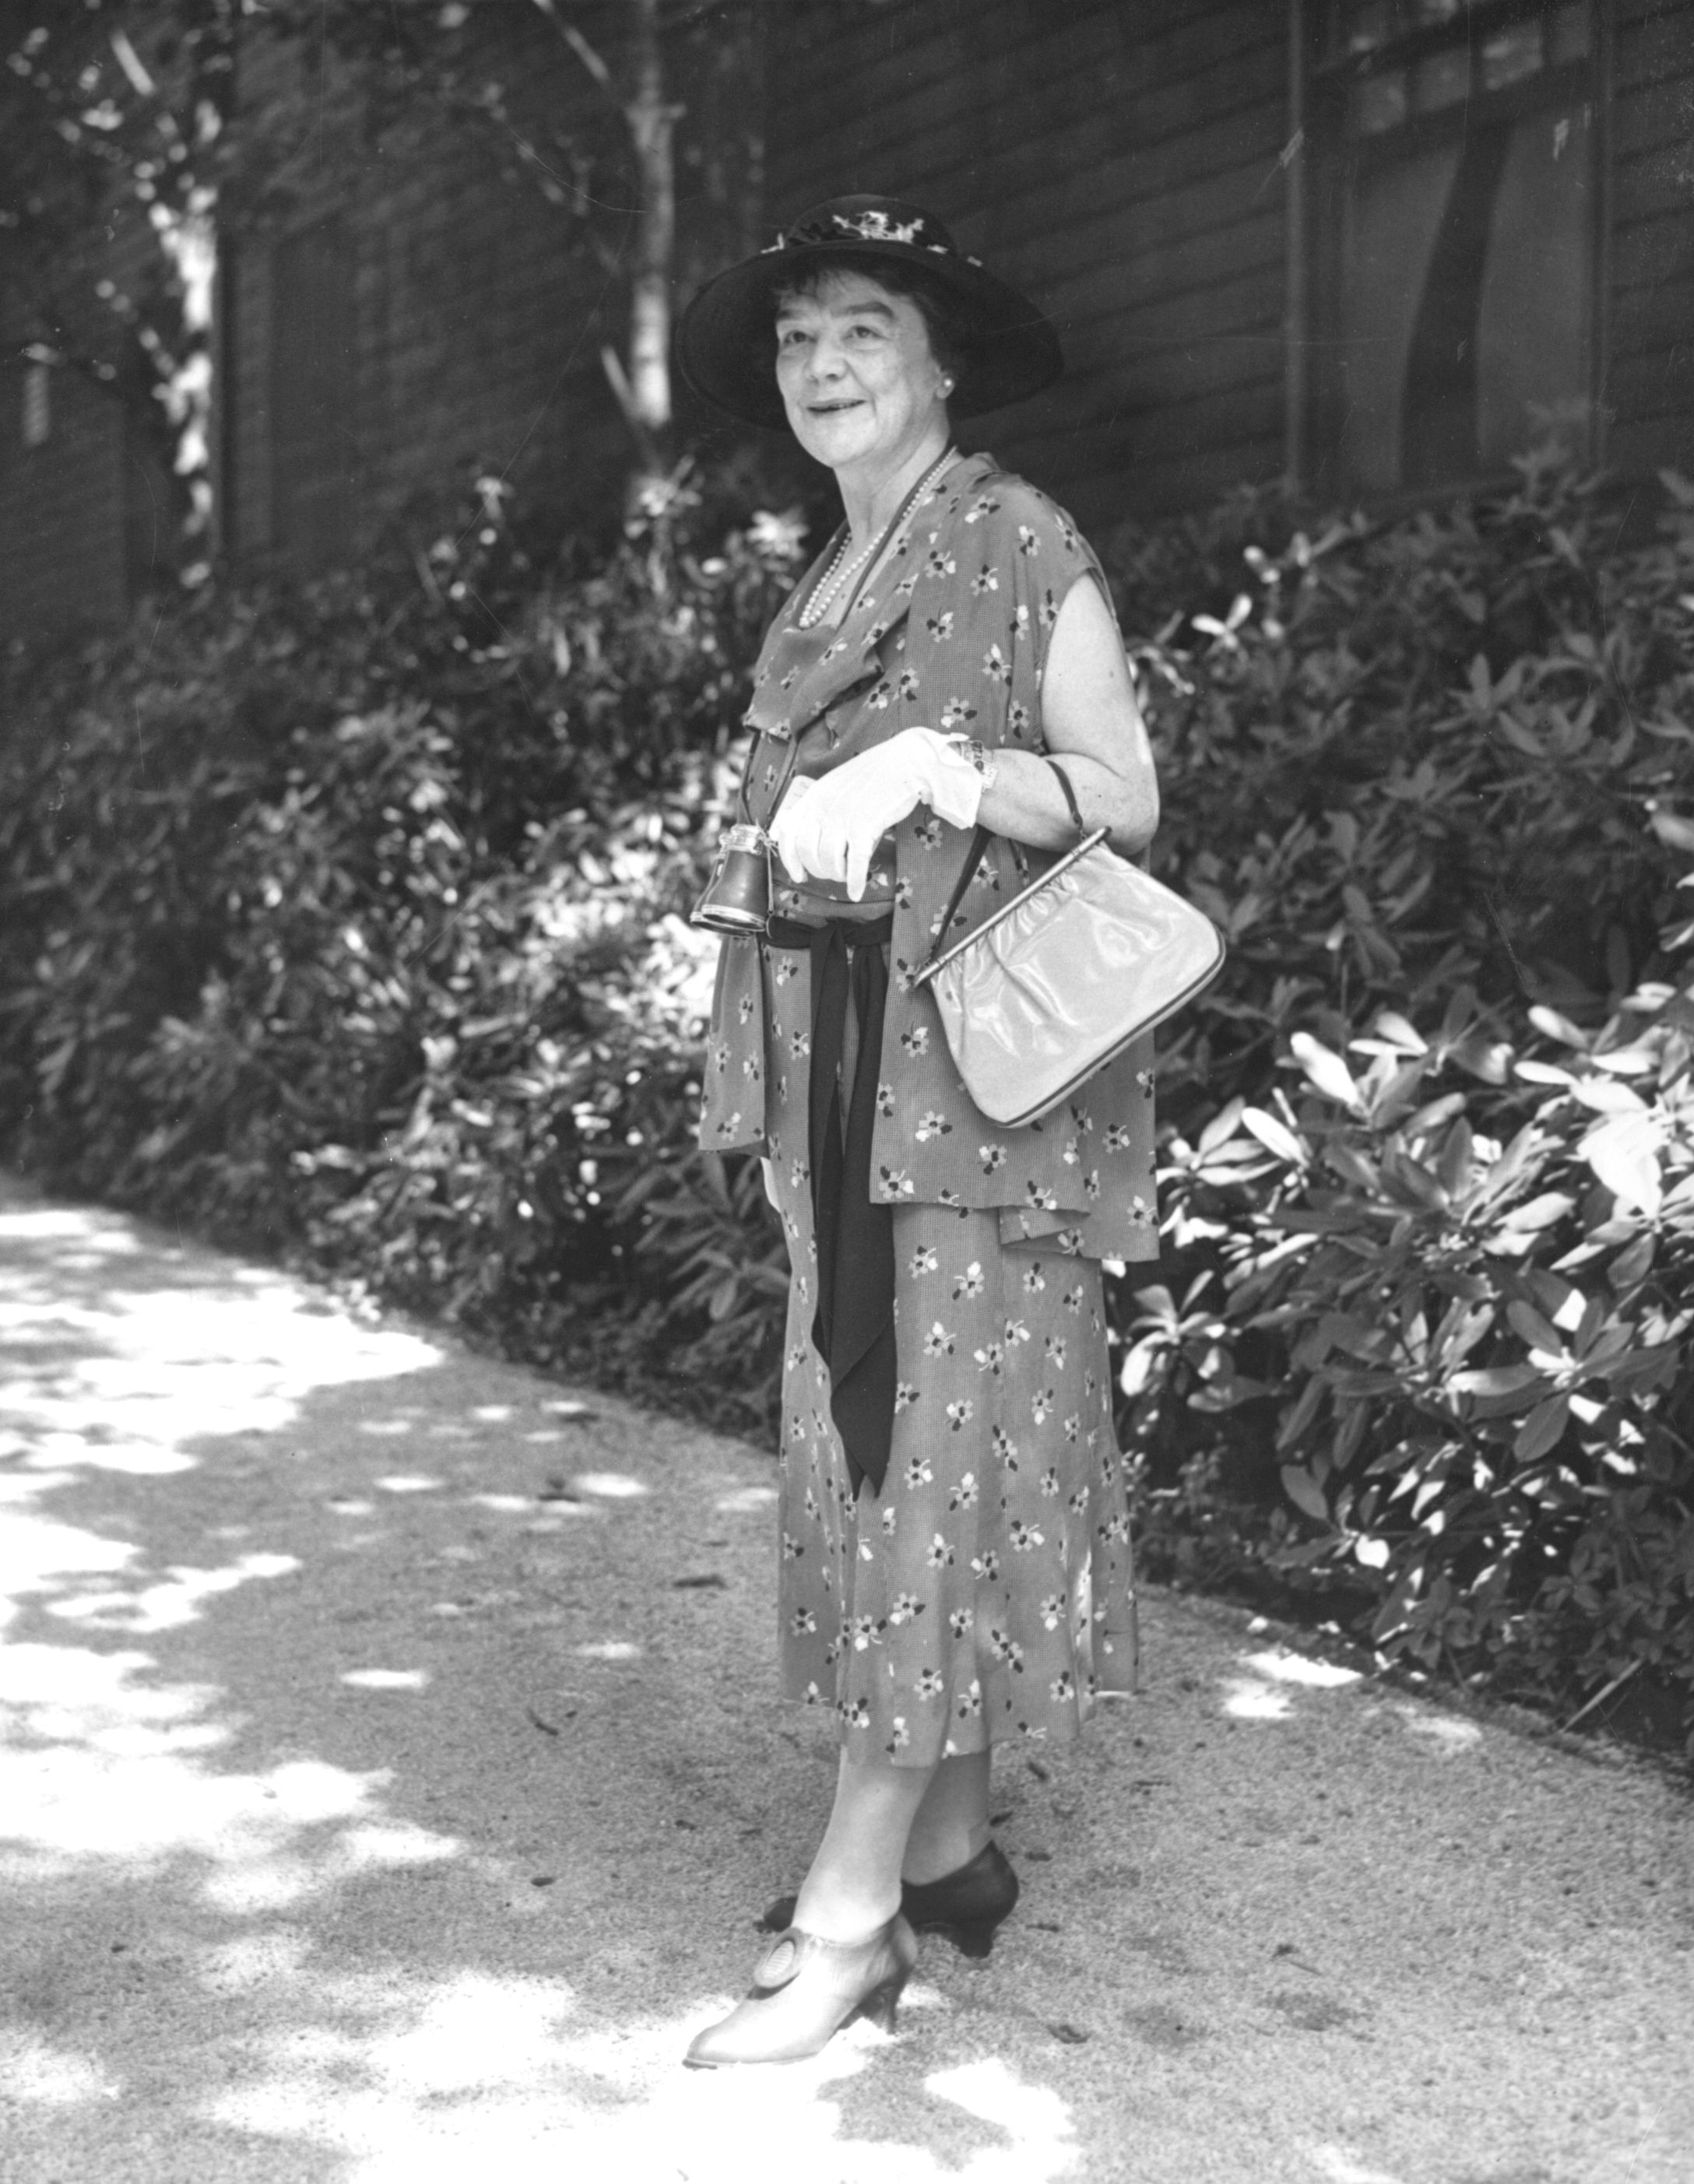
(384, 1798)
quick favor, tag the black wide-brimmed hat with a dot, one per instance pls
(726, 340)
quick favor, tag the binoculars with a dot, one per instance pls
(738, 897)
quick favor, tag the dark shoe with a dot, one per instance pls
(965, 1905)
(805, 1990)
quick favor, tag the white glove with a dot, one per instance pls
(829, 829)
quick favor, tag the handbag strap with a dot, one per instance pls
(978, 850)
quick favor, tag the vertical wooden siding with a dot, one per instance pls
(64, 514)
(1649, 393)
(1119, 159)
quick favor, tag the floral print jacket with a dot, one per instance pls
(954, 637)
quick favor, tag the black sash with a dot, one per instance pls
(852, 1328)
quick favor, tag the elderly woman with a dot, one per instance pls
(955, 1564)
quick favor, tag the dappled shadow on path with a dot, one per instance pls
(325, 1848)
(390, 1774)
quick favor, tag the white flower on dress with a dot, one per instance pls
(1024, 1536)
(986, 1565)
(1053, 1347)
(1074, 1299)
(1005, 1647)
(1063, 1685)
(971, 1283)
(924, 1259)
(971, 1700)
(895, 1182)
(929, 1683)
(1043, 1199)
(939, 1342)
(899, 1736)
(1052, 1610)
(987, 579)
(904, 1395)
(1005, 1447)
(938, 1554)
(918, 1473)
(1034, 1279)
(935, 1124)
(959, 1621)
(1073, 1426)
(959, 1413)
(915, 1038)
(905, 1607)
(990, 1359)
(992, 1157)
(964, 1495)
(1049, 1482)
(996, 667)
(803, 1620)
(856, 1713)
(1015, 1331)
(1042, 1404)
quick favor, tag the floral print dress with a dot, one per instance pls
(987, 1592)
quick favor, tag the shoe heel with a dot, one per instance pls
(879, 2006)
(972, 1937)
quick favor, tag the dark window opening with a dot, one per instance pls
(1457, 260)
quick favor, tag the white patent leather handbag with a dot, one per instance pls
(1076, 967)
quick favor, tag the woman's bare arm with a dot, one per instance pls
(1089, 718)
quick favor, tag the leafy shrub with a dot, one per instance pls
(1432, 776)
(347, 922)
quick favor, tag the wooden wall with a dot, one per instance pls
(1117, 159)
(65, 519)
(1648, 395)
(416, 317)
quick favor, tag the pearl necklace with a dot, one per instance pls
(840, 568)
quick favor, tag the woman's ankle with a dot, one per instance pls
(837, 1911)
(931, 1858)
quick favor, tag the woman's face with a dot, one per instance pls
(856, 372)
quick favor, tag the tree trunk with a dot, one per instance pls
(652, 120)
